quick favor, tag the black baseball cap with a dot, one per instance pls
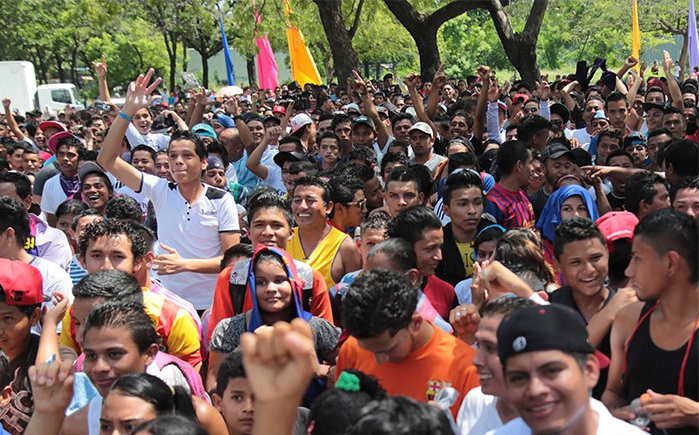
(560, 110)
(556, 150)
(540, 328)
(363, 120)
(284, 156)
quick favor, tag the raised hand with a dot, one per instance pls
(359, 85)
(139, 93)
(543, 90)
(411, 80)
(667, 63)
(280, 361)
(6, 102)
(631, 62)
(52, 386)
(493, 90)
(439, 79)
(101, 67)
(172, 262)
(483, 73)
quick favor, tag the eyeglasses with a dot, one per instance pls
(530, 110)
(557, 122)
(360, 204)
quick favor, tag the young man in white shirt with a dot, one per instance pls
(197, 223)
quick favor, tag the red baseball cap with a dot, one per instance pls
(617, 225)
(52, 124)
(53, 140)
(21, 283)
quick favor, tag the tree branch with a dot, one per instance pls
(406, 14)
(454, 9)
(355, 24)
(534, 20)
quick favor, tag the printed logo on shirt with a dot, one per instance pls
(434, 387)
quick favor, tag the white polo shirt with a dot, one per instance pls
(193, 230)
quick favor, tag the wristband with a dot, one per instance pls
(125, 116)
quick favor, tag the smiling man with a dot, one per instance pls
(315, 242)
(581, 256)
(549, 369)
(95, 186)
(189, 265)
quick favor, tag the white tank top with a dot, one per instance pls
(93, 415)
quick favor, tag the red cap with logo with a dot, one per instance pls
(21, 283)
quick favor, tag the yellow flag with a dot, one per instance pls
(303, 69)
(636, 36)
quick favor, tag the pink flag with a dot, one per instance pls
(267, 69)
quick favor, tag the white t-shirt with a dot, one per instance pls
(193, 230)
(53, 195)
(607, 425)
(478, 414)
(156, 141)
(141, 198)
(274, 179)
(581, 135)
(55, 280)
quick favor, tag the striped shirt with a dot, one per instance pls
(510, 209)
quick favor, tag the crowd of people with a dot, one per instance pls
(431, 257)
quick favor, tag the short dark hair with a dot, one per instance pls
(231, 368)
(401, 116)
(411, 223)
(13, 215)
(668, 230)
(378, 301)
(505, 305)
(404, 174)
(219, 150)
(399, 251)
(615, 96)
(328, 135)
(640, 186)
(391, 157)
(400, 415)
(509, 153)
(617, 153)
(613, 133)
(465, 179)
(22, 184)
(365, 154)
(109, 285)
(124, 207)
(295, 140)
(575, 229)
(340, 118)
(71, 206)
(199, 147)
(151, 152)
(342, 190)
(129, 315)
(683, 154)
(270, 200)
(658, 132)
(317, 182)
(237, 250)
(460, 160)
(375, 221)
(691, 183)
(82, 214)
(113, 227)
(356, 170)
(530, 125)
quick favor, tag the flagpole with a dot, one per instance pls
(230, 73)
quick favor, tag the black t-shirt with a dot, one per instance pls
(15, 417)
(538, 200)
(564, 296)
(615, 202)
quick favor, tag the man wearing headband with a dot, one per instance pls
(550, 369)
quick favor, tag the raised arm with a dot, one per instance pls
(200, 103)
(181, 125)
(138, 96)
(10, 119)
(101, 71)
(672, 86)
(565, 93)
(411, 82)
(438, 81)
(628, 64)
(479, 119)
(253, 163)
(633, 119)
(360, 86)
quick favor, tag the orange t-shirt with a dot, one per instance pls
(444, 361)
(222, 305)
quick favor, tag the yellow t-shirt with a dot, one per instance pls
(467, 256)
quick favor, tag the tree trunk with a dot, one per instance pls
(252, 74)
(423, 28)
(340, 41)
(205, 69)
(520, 48)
